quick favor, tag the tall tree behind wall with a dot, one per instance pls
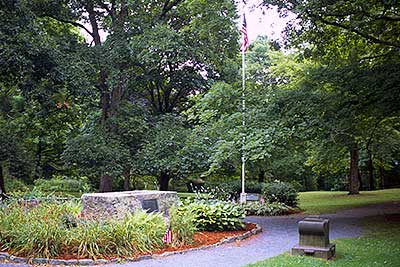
(359, 41)
(162, 51)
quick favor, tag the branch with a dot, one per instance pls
(109, 10)
(365, 13)
(93, 22)
(349, 28)
(76, 24)
(372, 134)
(168, 6)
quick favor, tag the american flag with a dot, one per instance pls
(167, 236)
(245, 40)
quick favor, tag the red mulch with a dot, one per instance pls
(207, 238)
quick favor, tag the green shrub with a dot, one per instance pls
(297, 186)
(265, 209)
(183, 226)
(216, 215)
(63, 185)
(280, 192)
(15, 185)
(228, 191)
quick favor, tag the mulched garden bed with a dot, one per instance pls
(201, 240)
(207, 239)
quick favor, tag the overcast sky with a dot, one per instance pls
(262, 22)
(259, 21)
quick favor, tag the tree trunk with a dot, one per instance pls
(261, 177)
(38, 161)
(370, 168)
(3, 193)
(360, 186)
(163, 180)
(382, 176)
(354, 183)
(127, 176)
(106, 183)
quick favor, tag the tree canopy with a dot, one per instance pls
(155, 90)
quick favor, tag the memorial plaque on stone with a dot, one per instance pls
(150, 205)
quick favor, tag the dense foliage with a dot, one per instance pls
(120, 92)
(63, 185)
(212, 215)
(280, 192)
(230, 190)
(52, 230)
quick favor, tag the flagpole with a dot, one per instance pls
(243, 195)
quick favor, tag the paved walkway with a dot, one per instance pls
(279, 235)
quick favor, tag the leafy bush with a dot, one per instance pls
(15, 185)
(265, 209)
(216, 215)
(280, 192)
(183, 226)
(63, 185)
(228, 191)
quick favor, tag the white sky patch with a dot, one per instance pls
(262, 21)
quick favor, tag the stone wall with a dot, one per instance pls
(102, 206)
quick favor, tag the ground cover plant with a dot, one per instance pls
(380, 247)
(330, 202)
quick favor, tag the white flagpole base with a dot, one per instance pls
(243, 197)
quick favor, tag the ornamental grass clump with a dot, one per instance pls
(136, 233)
(54, 230)
(34, 231)
(183, 226)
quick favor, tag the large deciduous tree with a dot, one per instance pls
(159, 51)
(357, 45)
(40, 89)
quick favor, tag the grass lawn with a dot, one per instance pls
(380, 247)
(329, 202)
